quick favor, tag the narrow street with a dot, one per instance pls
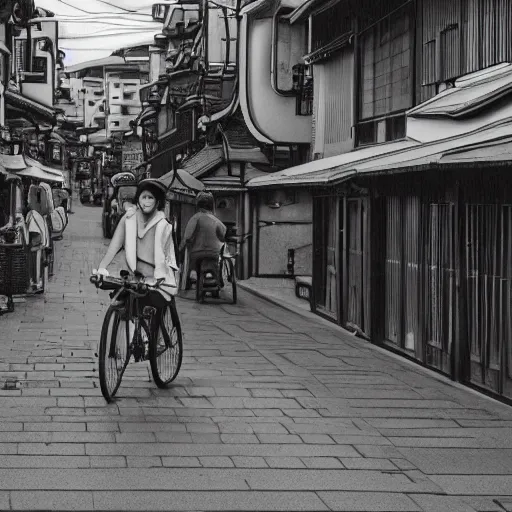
(270, 411)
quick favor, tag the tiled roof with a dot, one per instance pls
(22, 102)
(237, 133)
(204, 161)
(489, 146)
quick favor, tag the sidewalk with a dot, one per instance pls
(279, 291)
(271, 411)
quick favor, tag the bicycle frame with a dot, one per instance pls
(135, 290)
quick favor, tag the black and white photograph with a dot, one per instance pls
(256, 255)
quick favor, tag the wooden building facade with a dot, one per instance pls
(412, 234)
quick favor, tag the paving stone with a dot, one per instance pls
(181, 462)
(249, 462)
(51, 449)
(254, 403)
(216, 462)
(144, 462)
(379, 452)
(239, 438)
(152, 427)
(8, 449)
(225, 392)
(279, 438)
(135, 437)
(251, 450)
(285, 462)
(107, 462)
(368, 502)
(322, 462)
(365, 463)
(165, 501)
(459, 461)
(54, 427)
(51, 500)
(317, 439)
(11, 427)
(5, 501)
(102, 427)
(474, 484)
(483, 503)
(46, 461)
(432, 503)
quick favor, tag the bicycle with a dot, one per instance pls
(208, 282)
(145, 333)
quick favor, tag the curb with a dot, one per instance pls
(337, 328)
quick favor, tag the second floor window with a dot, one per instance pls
(386, 66)
(385, 89)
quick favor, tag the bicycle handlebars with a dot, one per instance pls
(137, 287)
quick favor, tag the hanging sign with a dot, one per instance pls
(131, 155)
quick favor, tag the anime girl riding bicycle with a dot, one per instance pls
(142, 320)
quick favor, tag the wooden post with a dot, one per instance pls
(343, 271)
(255, 235)
(246, 242)
(460, 359)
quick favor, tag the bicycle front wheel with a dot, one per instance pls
(166, 346)
(114, 352)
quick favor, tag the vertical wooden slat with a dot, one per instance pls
(338, 76)
(393, 271)
(411, 263)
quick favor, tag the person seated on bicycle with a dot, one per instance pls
(147, 239)
(204, 234)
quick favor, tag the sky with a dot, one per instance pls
(93, 29)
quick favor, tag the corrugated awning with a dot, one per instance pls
(23, 103)
(471, 93)
(39, 174)
(39, 171)
(319, 171)
(490, 146)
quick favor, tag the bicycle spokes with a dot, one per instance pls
(167, 348)
(114, 352)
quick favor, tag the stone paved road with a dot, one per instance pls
(271, 411)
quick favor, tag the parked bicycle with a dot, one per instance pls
(132, 329)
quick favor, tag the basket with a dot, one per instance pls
(14, 278)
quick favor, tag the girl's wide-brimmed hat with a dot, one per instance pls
(153, 185)
(124, 179)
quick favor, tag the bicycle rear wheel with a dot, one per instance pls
(114, 352)
(229, 279)
(166, 346)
